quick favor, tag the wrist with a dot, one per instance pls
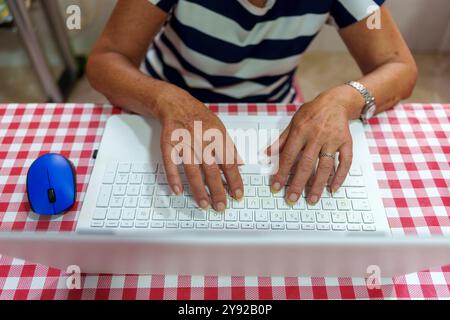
(345, 97)
(163, 101)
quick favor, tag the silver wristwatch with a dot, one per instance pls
(370, 106)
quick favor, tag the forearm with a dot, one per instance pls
(121, 81)
(390, 83)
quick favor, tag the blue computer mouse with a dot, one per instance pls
(51, 185)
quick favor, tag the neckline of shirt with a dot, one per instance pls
(258, 11)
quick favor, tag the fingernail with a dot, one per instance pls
(204, 204)
(313, 199)
(177, 190)
(292, 199)
(276, 187)
(335, 189)
(238, 194)
(220, 207)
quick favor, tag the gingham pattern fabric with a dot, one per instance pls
(410, 147)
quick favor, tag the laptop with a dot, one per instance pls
(130, 222)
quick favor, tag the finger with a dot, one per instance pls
(324, 169)
(215, 185)
(279, 143)
(195, 179)
(170, 165)
(288, 158)
(234, 180)
(305, 166)
(345, 162)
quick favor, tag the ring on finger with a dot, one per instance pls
(327, 155)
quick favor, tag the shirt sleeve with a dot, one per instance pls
(348, 12)
(165, 5)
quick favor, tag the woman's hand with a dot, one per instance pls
(317, 131)
(177, 110)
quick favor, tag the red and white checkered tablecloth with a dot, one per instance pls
(410, 147)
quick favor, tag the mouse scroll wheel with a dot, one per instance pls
(51, 195)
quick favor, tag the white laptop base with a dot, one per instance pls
(128, 191)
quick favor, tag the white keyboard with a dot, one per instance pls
(136, 196)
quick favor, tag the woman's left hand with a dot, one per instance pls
(318, 130)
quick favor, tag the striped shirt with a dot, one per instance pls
(233, 51)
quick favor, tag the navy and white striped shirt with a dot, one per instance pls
(233, 51)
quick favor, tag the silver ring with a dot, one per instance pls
(327, 155)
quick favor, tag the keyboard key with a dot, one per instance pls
(246, 215)
(122, 178)
(262, 226)
(215, 216)
(308, 226)
(99, 214)
(144, 168)
(124, 167)
(128, 214)
(267, 181)
(231, 215)
(114, 213)
(119, 190)
(104, 195)
(142, 214)
(328, 204)
(162, 202)
(201, 225)
(232, 225)
(353, 181)
(338, 227)
(147, 190)
(178, 202)
(149, 179)
(282, 205)
(369, 227)
(187, 225)
(116, 202)
(338, 217)
(164, 214)
(217, 225)
(280, 194)
(126, 224)
(130, 202)
(356, 193)
(157, 224)
(108, 178)
(256, 180)
(245, 179)
(360, 204)
(141, 224)
(268, 203)
(276, 216)
(300, 205)
(353, 217)
(264, 192)
(353, 227)
(171, 224)
(292, 226)
(249, 191)
(247, 225)
(162, 179)
(133, 190)
(97, 224)
(237, 204)
(185, 214)
(307, 216)
(277, 226)
(164, 190)
(339, 194)
(323, 227)
(191, 203)
(112, 224)
(355, 170)
(322, 216)
(343, 204)
(253, 203)
(145, 202)
(135, 178)
(261, 216)
(367, 217)
(292, 216)
(199, 215)
(316, 206)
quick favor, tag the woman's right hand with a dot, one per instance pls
(177, 112)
